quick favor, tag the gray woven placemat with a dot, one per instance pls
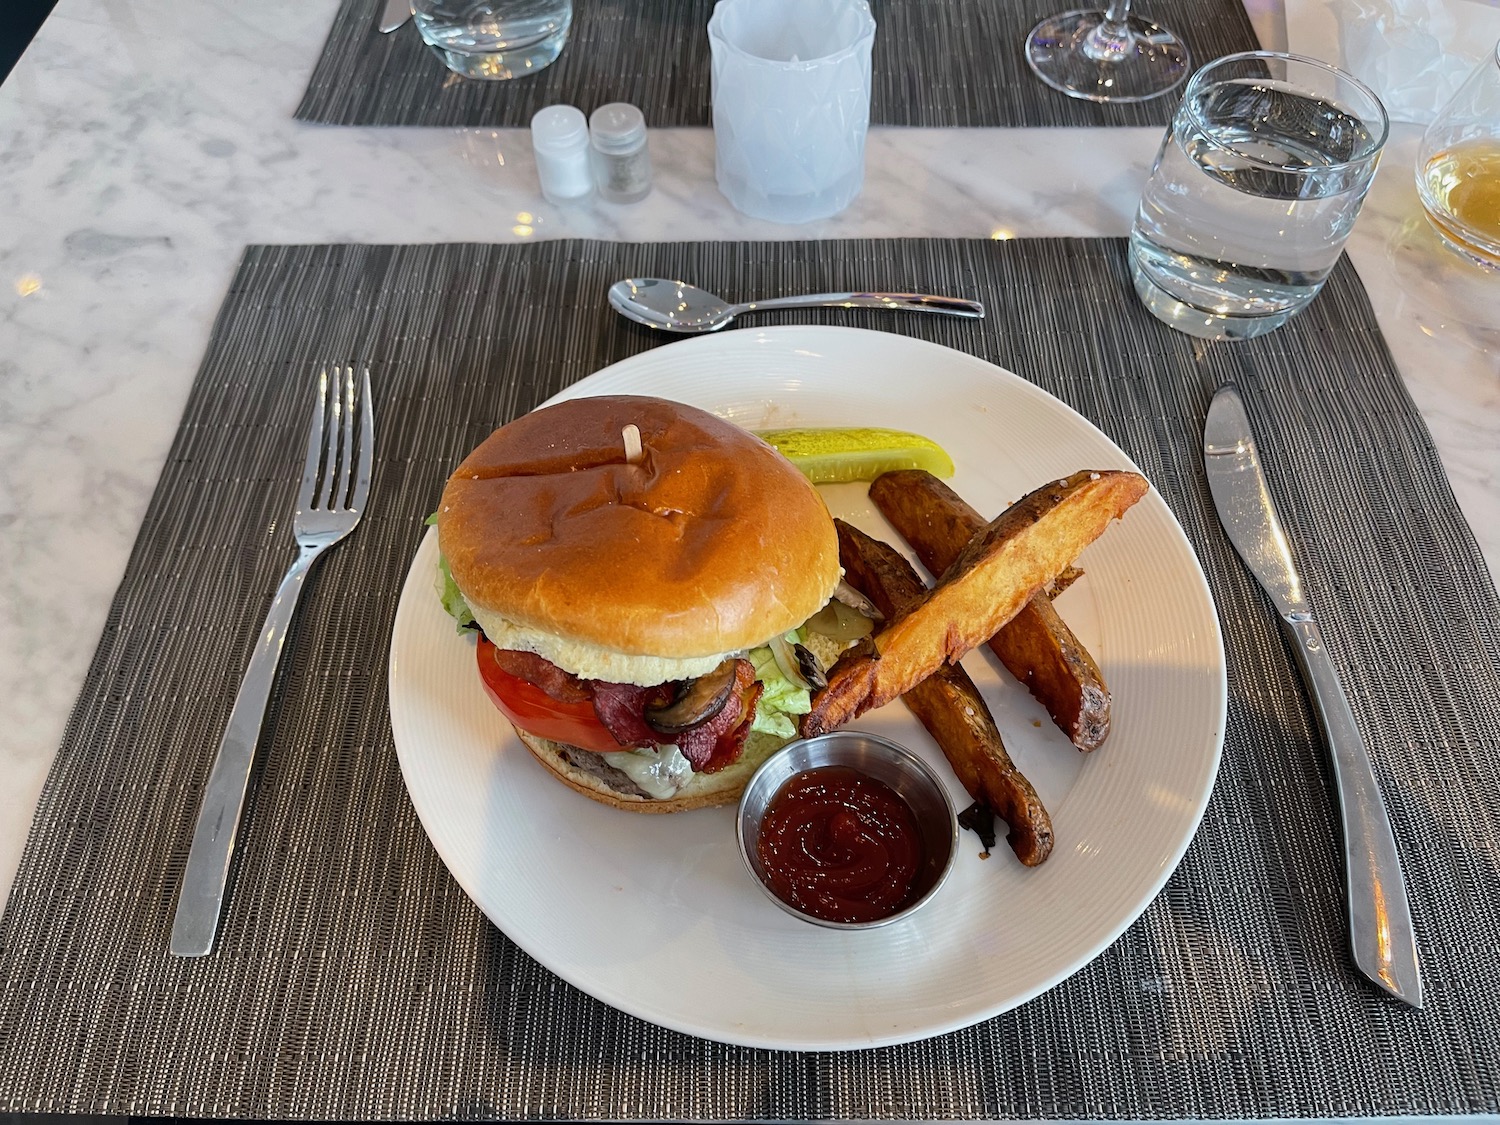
(937, 63)
(353, 979)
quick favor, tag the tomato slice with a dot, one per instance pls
(532, 709)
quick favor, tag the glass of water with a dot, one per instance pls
(1254, 192)
(494, 38)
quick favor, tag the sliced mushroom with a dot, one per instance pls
(798, 663)
(811, 667)
(855, 600)
(786, 660)
(696, 701)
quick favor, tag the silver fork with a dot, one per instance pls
(327, 511)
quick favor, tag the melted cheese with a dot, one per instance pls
(661, 772)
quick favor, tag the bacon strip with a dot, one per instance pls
(621, 708)
(560, 685)
(709, 747)
(719, 742)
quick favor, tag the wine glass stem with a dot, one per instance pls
(1112, 39)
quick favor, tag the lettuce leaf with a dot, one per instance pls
(453, 601)
(780, 698)
(447, 590)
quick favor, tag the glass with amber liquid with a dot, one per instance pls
(1458, 167)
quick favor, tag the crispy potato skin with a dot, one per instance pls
(949, 705)
(1012, 558)
(1036, 645)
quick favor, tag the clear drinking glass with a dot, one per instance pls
(1108, 56)
(1254, 192)
(791, 103)
(1458, 166)
(494, 38)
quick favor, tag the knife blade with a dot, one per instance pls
(1380, 927)
(396, 13)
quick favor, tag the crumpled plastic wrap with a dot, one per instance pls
(1415, 53)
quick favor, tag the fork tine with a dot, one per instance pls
(366, 444)
(329, 488)
(346, 447)
(314, 446)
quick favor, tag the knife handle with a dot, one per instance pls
(1380, 928)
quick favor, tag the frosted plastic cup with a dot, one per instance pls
(791, 102)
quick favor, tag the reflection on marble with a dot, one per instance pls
(143, 143)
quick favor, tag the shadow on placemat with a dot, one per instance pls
(936, 63)
(354, 979)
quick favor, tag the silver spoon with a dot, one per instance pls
(676, 306)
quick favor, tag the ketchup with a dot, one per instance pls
(840, 846)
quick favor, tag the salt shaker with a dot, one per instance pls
(622, 164)
(560, 143)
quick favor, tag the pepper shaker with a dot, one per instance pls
(560, 143)
(622, 164)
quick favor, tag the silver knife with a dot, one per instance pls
(1380, 929)
(396, 13)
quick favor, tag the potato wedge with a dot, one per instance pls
(1036, 645)
(992, 578)
(949, 705)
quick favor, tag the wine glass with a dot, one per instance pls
(1458, 166)
(1108, 56)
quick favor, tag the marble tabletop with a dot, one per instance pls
(144, 143)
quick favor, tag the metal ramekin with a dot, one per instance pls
(875, 757)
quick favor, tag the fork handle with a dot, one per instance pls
(202, 893)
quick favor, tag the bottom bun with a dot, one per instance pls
(591, 774)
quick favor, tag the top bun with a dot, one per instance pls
(711, 544)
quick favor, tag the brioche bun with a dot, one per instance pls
(634, 573)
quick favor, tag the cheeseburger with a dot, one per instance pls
(641, 575)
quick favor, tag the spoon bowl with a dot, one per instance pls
(676, 306)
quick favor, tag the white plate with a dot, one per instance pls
(655, 914)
